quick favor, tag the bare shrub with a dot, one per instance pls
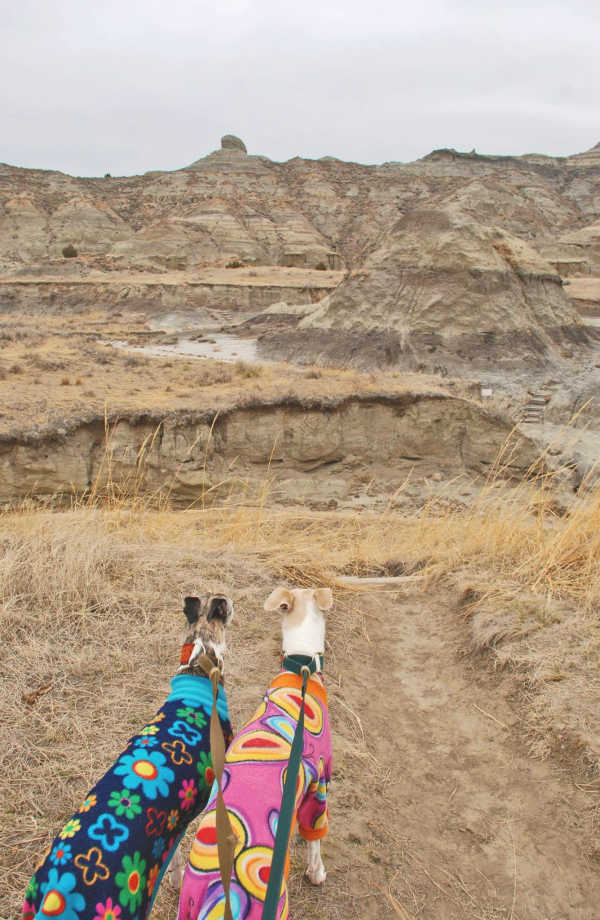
(217, 373)
(47, 364)
(15, 333)
(244, 369)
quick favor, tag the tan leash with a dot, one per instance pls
(226, 839)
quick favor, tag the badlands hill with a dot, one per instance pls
(456, 257)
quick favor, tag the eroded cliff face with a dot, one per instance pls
(52, 296)
(309, 451)
(439, 283)
(452, 246)
(230, 205)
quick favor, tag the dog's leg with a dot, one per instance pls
(176, 868)
(315, 870)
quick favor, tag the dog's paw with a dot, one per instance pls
(175, 878)
(317, 875)
(175, 872)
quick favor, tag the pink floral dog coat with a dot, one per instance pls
(255, 769)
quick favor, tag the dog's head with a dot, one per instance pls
(296, 603)
(207, 618)
(303, 623)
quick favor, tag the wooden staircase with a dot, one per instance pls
(533, 411)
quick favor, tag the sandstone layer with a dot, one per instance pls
(302, 450)
(157, 292)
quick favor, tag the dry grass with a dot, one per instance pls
(88, 597)
(529, 576)
(258, 275)
(49, 352)
(88, 593)
(83, 604)
(517, 534)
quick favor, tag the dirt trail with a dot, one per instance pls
(441, 813)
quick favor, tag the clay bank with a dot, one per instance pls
(308, 450)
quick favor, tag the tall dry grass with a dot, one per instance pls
(91, 595)
(90, 627)
(516, 532)
(515, 535)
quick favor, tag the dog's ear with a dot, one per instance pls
(191, 609)
(219, 608)
(324, 598)
(280, 599)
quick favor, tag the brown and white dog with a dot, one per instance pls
(255, 767)
(109, 858)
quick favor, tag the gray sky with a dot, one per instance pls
(130, 85)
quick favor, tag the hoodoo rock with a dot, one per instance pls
(231, 142)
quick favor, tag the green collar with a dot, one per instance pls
(296, 663)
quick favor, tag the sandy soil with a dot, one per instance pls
(453, 818)
(585, 289)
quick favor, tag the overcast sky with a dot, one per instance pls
(125, 86)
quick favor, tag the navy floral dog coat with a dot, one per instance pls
(107, 861)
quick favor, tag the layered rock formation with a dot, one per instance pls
(301, 449)
(163, 293)
(454, 252)
(441, 283)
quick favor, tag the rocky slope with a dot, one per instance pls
(455, 251)
(444, 289)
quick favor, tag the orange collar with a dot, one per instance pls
(186, 652)
(294, 682)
